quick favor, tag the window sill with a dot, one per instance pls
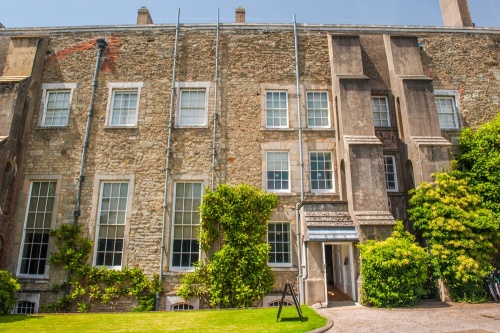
(272, 129)
(283, 268)
(32, 279)
(51, 128)
(108, 127)
(319, 129)
(386, 128)
(191, 127)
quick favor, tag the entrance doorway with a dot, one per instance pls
(339, 272)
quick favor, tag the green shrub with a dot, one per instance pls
(394, 270)
(8, 288)
(459, 232)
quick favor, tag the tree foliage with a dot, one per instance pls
(480, 161)
(460, 233)
(233, 228)
(8, 288)
(394, 270)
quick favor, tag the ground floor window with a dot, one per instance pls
(279, 238)
(25, 307)
(111, 224)
(37, 227)
(185, 245)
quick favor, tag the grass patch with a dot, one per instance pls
(247, 320)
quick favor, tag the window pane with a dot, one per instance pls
(380, 110)
(57, 107)
(185, 246)
(390, 173)
(318, 114)
(124, 107)
(276, 109)
(192, 107)
(277, 171)
(321, 171)
(446, 112)
(278, 237)
(37, 227)
(111, 229)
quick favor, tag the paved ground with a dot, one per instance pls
(429, 316)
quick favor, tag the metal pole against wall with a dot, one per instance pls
(169, 158)
(216, 85)
(101, 45)
(301, 163)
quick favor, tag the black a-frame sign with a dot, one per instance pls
(297, 305)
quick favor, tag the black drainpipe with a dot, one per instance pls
(101, 45)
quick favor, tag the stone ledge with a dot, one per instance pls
(374, 218)
(431, 141)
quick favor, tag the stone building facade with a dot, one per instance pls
(341, 130)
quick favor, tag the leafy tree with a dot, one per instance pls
(8, 288)
(233, 228)
(394, 270)
(480, 161)
(460, 233)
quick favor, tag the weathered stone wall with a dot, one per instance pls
(469, 63)
(4, 47)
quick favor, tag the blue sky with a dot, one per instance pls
(44, 13)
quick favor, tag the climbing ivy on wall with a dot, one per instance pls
(89, 284)
(233, 229)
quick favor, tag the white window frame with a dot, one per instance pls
(192, 86)
(331, 170)
(289, 242)
(122, 86)
(27, 194)
(288, 190)
(267, 110)
(387, 173)
(386, 112)
(452, 95)
(49, 88)
(193, 226)
(321, 109)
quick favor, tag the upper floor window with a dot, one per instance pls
(380, 110)
(39, 213)
(318, 114)
(276, 109)
(391, 179)
(112, 217)
(123, 104)
(278, 171)
(56, 104)
(185, 245)
(321, 171)
(279, 239)
(193, 104)
(447, 108)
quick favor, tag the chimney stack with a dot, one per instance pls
(456, 13)
(240, 15)
(143, 16)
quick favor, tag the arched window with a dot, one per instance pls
(25, 307)
(182, 307)
(276, 304)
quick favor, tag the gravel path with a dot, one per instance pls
(429, 316)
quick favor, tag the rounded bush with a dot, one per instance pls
(8, 288)
(394, 270)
